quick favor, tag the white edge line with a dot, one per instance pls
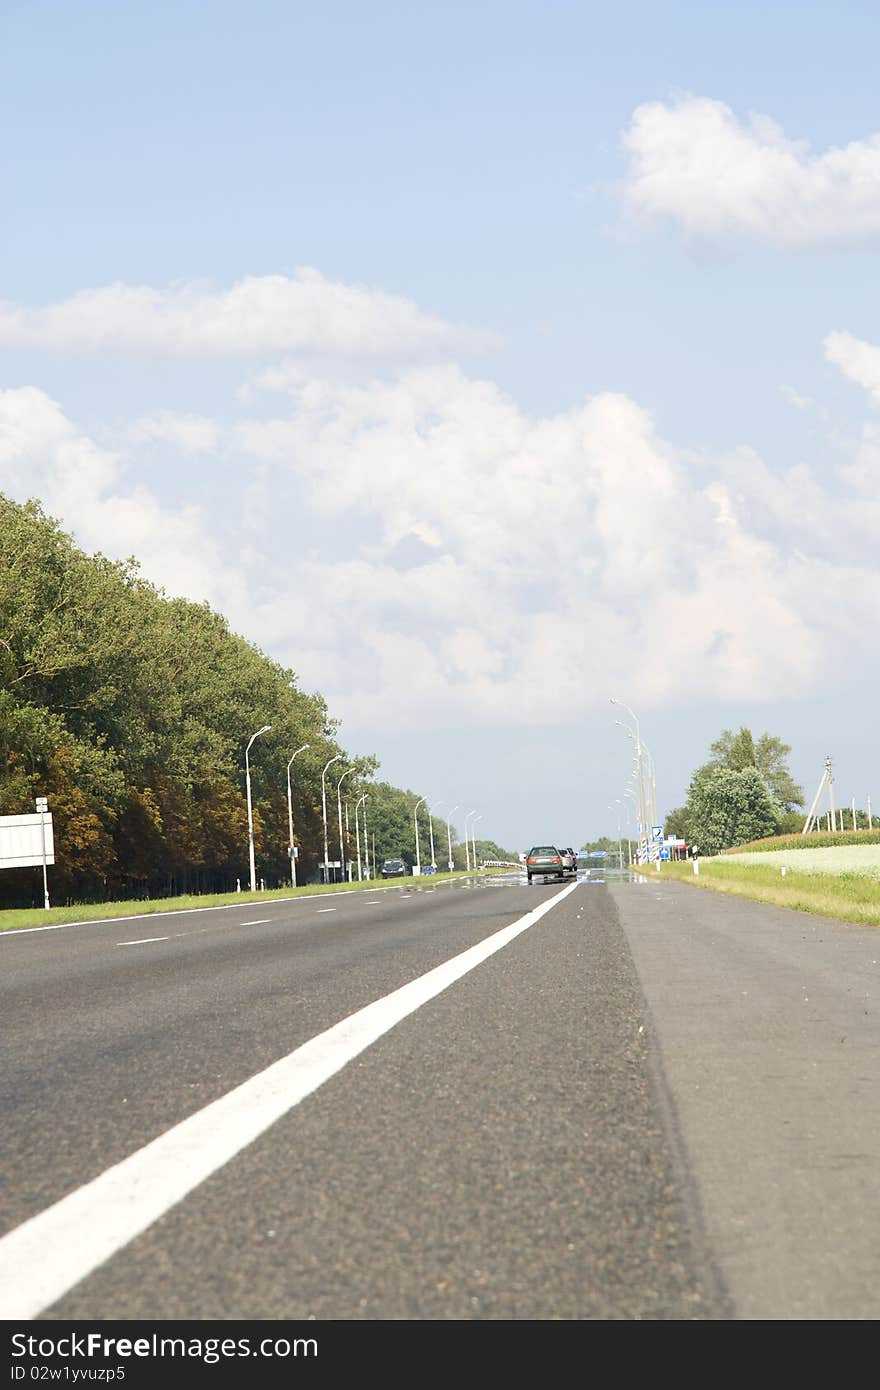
(48, 1254)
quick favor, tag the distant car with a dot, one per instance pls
(569, 859)
(393, 868)
(544, 861)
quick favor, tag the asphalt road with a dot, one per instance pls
(650, 1103)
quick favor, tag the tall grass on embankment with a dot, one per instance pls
(850, 897)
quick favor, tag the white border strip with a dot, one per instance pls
(47, 1255)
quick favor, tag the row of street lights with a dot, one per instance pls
(644, 795)
(470, 838)
(291, 847)
(363, 798)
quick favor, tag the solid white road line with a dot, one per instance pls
(47, 1255)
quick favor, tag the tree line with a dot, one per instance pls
(131, 711)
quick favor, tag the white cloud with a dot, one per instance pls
(795, 399)
(189, 434)
(562, 555)
(857, 360)
(44, 456)
(692, 161)
(419, 549)
(258, 316)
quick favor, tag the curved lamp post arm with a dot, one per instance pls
(357, 831)
(290, 817)
(467, 842)
(450, 861)
(421, 801)
(347, 773)
(250, 810)
(474, 839)
(431, 806)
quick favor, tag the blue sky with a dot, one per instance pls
(478, 361)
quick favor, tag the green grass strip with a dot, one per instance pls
(817, 839)
(847, 897)
(15, 918)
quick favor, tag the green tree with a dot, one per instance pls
(737, 751)
(726, 807)
(488, 850)
(676, 823)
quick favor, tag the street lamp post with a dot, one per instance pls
(642, 803)
(324, 814)
(467, 843)
(420, 802)
(651, 797)
(292, 847)
(431, 830)
(625, 803)
(42, 804)
(450, 861)
(474, 839)
(250, 810)
(357, 831)
(347, 773)
(619, 840)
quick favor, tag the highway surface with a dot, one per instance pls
(471, 1101)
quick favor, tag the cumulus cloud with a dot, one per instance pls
(694, 162)
(420, 549)
(559, 555)
(857, 360)
(258, 316)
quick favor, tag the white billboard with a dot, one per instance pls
(22, 841)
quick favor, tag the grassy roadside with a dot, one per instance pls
(848, 897)
(15, 918)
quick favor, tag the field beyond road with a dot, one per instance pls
(829, 859)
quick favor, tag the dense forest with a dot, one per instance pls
(131, 712)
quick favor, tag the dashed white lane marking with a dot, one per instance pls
(144, 941)
(257, 922)
(326, 909)
(47, 1255)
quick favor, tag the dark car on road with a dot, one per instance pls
(393, 868)
(545, 861)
